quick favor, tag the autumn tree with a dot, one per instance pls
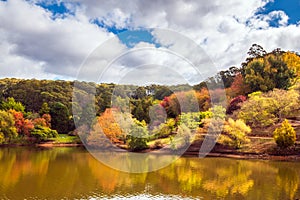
(293, 62)
(262, 110)
(188, 101)
(7, 126)
(238, 87)
(110, 126)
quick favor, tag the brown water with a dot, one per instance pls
(71, 173)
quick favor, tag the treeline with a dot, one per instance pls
(252, 84)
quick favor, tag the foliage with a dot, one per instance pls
(138, 136)
(159, 91)
(28, 126)
(2, 138)
(45, 109)
(256, 51)
(7, 126)
(140, 108)
(47, 118)
(285, 136)
(60, 117)
(218, 112)
(262, 110)
(182, 139)
(235, 104)
(238, 86)
(11, 104)
(188, 101)
(236, 133)
(110, 126)
(193, 120)
(293, 61)
(228, 76)
(23, 126)
(268, 72)
(42, 133)
(164, 129)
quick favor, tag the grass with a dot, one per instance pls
(65, 138)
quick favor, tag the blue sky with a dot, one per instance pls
(290, 7)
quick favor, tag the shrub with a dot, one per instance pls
(285, 136)
(164, 129)
(42, 133)
(138, 136)
(194, 120)
(236, 133)
(235, 104)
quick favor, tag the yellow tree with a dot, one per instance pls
(293, 62)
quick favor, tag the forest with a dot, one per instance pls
(261, 99)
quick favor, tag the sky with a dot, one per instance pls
(139, 41)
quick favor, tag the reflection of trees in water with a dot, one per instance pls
(229, 180)
(74, 173)
(113, 181)
(21, 162)
(287, 181)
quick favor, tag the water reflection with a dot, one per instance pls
(72, 173)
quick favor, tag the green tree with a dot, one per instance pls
(138, 136)
(285, 136)
(11, 104)
(140, 108)
(45, 109)
(268, 72)
(60, 117)
(7, 126)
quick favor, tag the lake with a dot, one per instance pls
(72, 173)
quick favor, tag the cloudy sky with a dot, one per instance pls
(138, 41)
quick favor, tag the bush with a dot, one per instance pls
(236, 133)
(194, 120)
(164, 129)
(42, 133)
(235, 104)
(285, 136)
(138, 136)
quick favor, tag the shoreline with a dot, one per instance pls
(246, 156)
(192, 154)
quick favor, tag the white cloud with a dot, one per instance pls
(33, 42)
(60, 44)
